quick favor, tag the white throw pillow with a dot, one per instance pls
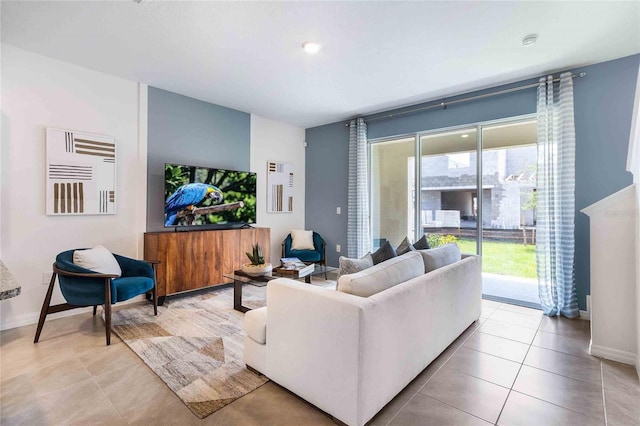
(440, 256)
(97, 259)
(302, 240)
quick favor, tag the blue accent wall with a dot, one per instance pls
(603, 109)
(184, 130)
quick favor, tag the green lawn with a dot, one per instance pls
(504, 258)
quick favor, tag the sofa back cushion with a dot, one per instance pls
(382, 276)
(440, 256)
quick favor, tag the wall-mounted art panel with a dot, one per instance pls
(81, 173)
(279, 187)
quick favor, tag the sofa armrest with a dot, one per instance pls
(313, 345)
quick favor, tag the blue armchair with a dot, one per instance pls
(83, 287)
(318, 255)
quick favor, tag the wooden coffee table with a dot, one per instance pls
(239, 278)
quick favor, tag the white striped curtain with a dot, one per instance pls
(358, 238)
(556, 198)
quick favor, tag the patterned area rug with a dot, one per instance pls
(195, 345)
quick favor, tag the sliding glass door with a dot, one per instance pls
(474, 185)
(448, 188)
(508, 211)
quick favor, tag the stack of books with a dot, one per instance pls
(295, 265)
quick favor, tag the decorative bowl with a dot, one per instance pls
(256, 270)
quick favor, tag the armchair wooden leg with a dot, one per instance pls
(107, 309)
(95, 309)
(155, 300)
(154, 291)
(45, 307)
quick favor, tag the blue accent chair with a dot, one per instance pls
(318, 255)
(83, 287)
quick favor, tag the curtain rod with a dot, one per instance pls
(444, 105)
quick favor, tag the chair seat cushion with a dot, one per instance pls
(306, 255)
(128, 287)
(255, 324)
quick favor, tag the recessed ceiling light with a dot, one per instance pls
(464, 136)
(311, 47)
(530, 39)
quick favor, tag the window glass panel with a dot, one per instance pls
(392, 190)
(448, 209)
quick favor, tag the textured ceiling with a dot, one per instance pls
(375, 55)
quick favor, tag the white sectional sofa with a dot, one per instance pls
(350, 355)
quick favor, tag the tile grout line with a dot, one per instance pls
(517, 374)
(604, 399)
(105, 396)
(433, 375)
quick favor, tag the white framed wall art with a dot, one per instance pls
(279, 187)
(81, 173)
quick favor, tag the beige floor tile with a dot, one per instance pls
(498, 346)
(270, 404)
(422, 410)
(137, 393)
(572, 394)
(491, 303)
(79, 403)
(521, 310)
(38, 382)
(564, 344)
(484, 366)
(390, 410)
(523, 410)
(516, 318)
(22, 356)
(622, 408)
(620, 377)
(110, 358)
(486, 311)
(467, 393)
(508, 331)
(566, 327)
(575, 367)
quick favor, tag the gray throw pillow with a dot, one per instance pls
(440, 256)
(383, 253)
(351, 266)
(404, 247)
(422, 243)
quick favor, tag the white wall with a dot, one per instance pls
(633, 165)
(39, 92)
(275, 141)
(613, 276)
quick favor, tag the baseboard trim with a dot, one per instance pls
(33, 317)
(613, 354)
(585, 315)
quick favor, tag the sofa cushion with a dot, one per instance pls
(383, 253)
(422, 243)
(440, 256)
(255, 324)
(351, 266)
(383, 275)
(404, 247)
(97, 259)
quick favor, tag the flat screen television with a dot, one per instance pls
(204, 196)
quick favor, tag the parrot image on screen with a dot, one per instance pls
(188, 197)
